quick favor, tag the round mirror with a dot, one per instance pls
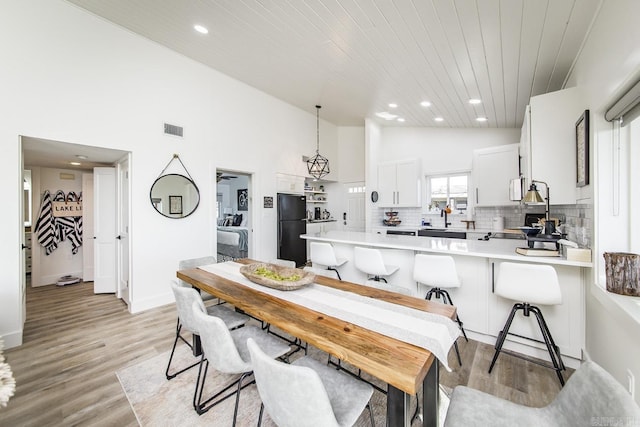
(174, 196)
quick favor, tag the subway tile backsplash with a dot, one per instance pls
(576, 221)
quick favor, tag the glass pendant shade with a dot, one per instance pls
(318, 165)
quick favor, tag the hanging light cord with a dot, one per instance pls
(318, 107)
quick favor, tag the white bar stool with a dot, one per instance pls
(370, 262)
(439, 271)
(323, 254)
(531, 284)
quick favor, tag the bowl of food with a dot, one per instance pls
(276, 276)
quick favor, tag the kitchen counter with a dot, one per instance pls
(494, 248)
(478, 265)
(315, 221)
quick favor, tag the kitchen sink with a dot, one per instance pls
(442, 232)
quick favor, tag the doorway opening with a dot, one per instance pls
(234, 212)
(68, 169)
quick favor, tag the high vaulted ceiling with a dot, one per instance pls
(354, 57)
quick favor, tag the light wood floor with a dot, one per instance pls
(75, 341)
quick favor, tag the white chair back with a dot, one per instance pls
(294, 396)
(323, 254)
(369, 261)
(217, 343)
(437, 271)
(186, 297)
(530, 283)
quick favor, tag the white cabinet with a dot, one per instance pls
(291, 184)
(493, 169)
(399, 184)
(548, 143)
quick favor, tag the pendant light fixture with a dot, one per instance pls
(318, 166)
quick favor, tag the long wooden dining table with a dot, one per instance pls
(402, 366)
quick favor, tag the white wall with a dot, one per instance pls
(351, 153)
(441, 150)
(609, 62)
(72, 77)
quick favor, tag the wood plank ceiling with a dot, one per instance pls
(354, 57)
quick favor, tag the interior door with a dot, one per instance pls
(87, 228)
(353, 217)
(105, 231)
(123, 231)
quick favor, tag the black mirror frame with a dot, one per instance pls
(188, 179)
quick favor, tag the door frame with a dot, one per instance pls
(123, 202)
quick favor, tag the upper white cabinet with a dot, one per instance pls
(286, 183)
(493, 169)
(399, 184)
(548, 143)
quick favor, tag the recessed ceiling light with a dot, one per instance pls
(400, 119)
(393, 105)
(386, 116)
(201, 29)
(474, 101)
(81, 156)
(481, 119)
(439, 119)
(425, 104)
(75, 163)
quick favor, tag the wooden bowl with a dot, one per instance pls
(303, 277)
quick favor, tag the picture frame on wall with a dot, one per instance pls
(582, 150)
(243, 199)
(175, 205)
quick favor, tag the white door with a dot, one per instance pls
(353, 217)
(87, 227)
(123, 231)
(105, 231)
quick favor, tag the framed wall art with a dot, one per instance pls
(243, 200)
(175, 205)
(582, 150)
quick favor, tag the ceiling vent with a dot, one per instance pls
(173, 130)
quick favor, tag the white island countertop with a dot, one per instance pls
(493, 248)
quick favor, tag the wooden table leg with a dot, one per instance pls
(398, 403)
(431, 396)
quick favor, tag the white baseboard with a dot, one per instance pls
(52, 279)
(12, 339)
(138, 306)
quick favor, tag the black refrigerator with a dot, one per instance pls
(292, 222)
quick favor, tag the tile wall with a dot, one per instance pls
(576, 221)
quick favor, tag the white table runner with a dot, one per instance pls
(430, 331)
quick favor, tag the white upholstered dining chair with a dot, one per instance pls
(185, 297)
(307, 392)
(226, 351)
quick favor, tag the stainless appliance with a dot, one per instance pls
(292, 222)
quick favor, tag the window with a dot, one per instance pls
(443, 190)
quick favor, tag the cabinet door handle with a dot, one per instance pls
(398, 192)
(493, 278)
(476, 195)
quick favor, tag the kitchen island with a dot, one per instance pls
(477, 262)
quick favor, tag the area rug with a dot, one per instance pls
(157, 401)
